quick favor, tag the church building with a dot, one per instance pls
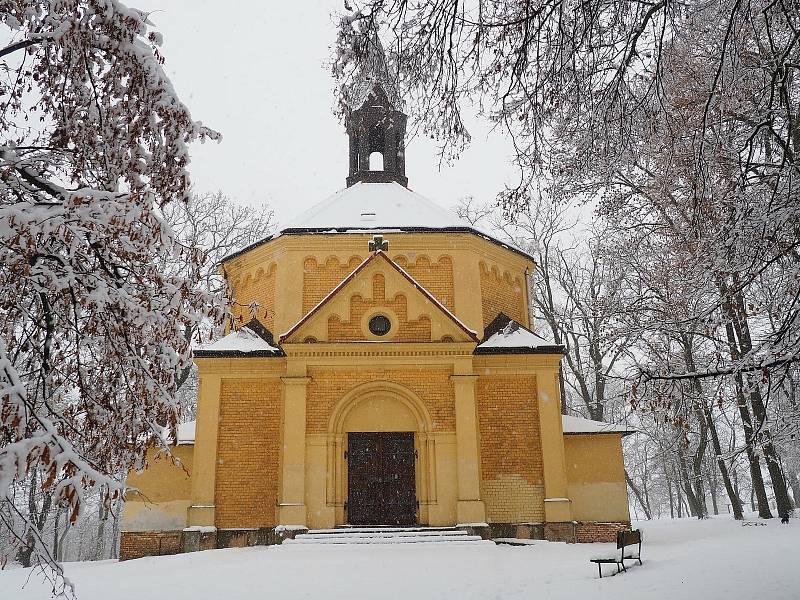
(381, 370)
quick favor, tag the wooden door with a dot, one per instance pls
(381, 488)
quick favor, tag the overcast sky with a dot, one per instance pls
(258, 72)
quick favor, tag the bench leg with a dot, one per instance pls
(600, 570)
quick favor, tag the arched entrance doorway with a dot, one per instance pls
(384, 477)
(381, 483)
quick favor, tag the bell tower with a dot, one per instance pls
(376, 126)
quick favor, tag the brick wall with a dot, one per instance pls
(436, 277)
(565, 531)
(351, 330)
(328, 386)
(593, 531)
(136, 544)
(502, 293)
(320, 279)
(248, 453)
(255, 288)
(511, 454)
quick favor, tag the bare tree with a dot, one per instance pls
(91, 326)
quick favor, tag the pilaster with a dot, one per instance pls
(204, 465)
(291, 504)
(466, 292)
(470, 507)
(288, 291)
(557, 506)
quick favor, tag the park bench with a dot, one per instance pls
(629, 546)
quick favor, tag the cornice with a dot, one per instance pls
(260, 368)
(510, 364)
(446, 350)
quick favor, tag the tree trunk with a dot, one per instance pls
(712, 488)
(771, 457)
(733, 496)
(56, 523)
(697, 469)
(669, 491)
(706, 415)
(742, 328)
(26, 550)
(757, 481)
(62, 542)
(688, 490)
(115, 536)
(638, 495)
(102, 517)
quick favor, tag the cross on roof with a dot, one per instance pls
(378, 243)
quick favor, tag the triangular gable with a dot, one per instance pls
(357, 294)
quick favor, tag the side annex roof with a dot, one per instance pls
(250, 341)
(580, 426)
(504, 335)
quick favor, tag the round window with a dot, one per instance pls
(379, 325)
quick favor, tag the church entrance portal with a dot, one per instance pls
(381, 485)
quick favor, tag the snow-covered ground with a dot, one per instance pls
(683, 559)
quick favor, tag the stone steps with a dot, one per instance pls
(387, 535)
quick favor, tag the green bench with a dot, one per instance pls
(629, 547)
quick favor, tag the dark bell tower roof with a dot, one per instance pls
(376, 126)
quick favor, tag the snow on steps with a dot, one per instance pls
(388, 535)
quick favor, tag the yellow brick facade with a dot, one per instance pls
(272, 430)
(253, 296)
(511, 454)
(502, 291)
(436, 276)
(320, 276)
(329, 386)
(248, 446)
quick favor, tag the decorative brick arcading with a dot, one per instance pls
(248, 453)
(436, 277)
(502, 293)
(352, 329)
(136, 544)
(320, 279)
(254, 295)
(328, 386)
(511, 453)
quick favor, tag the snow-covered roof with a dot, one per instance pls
(578, 425)
(376, 207)
(243, 342)
(514, 337)
(186, 432)
(505, 335)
